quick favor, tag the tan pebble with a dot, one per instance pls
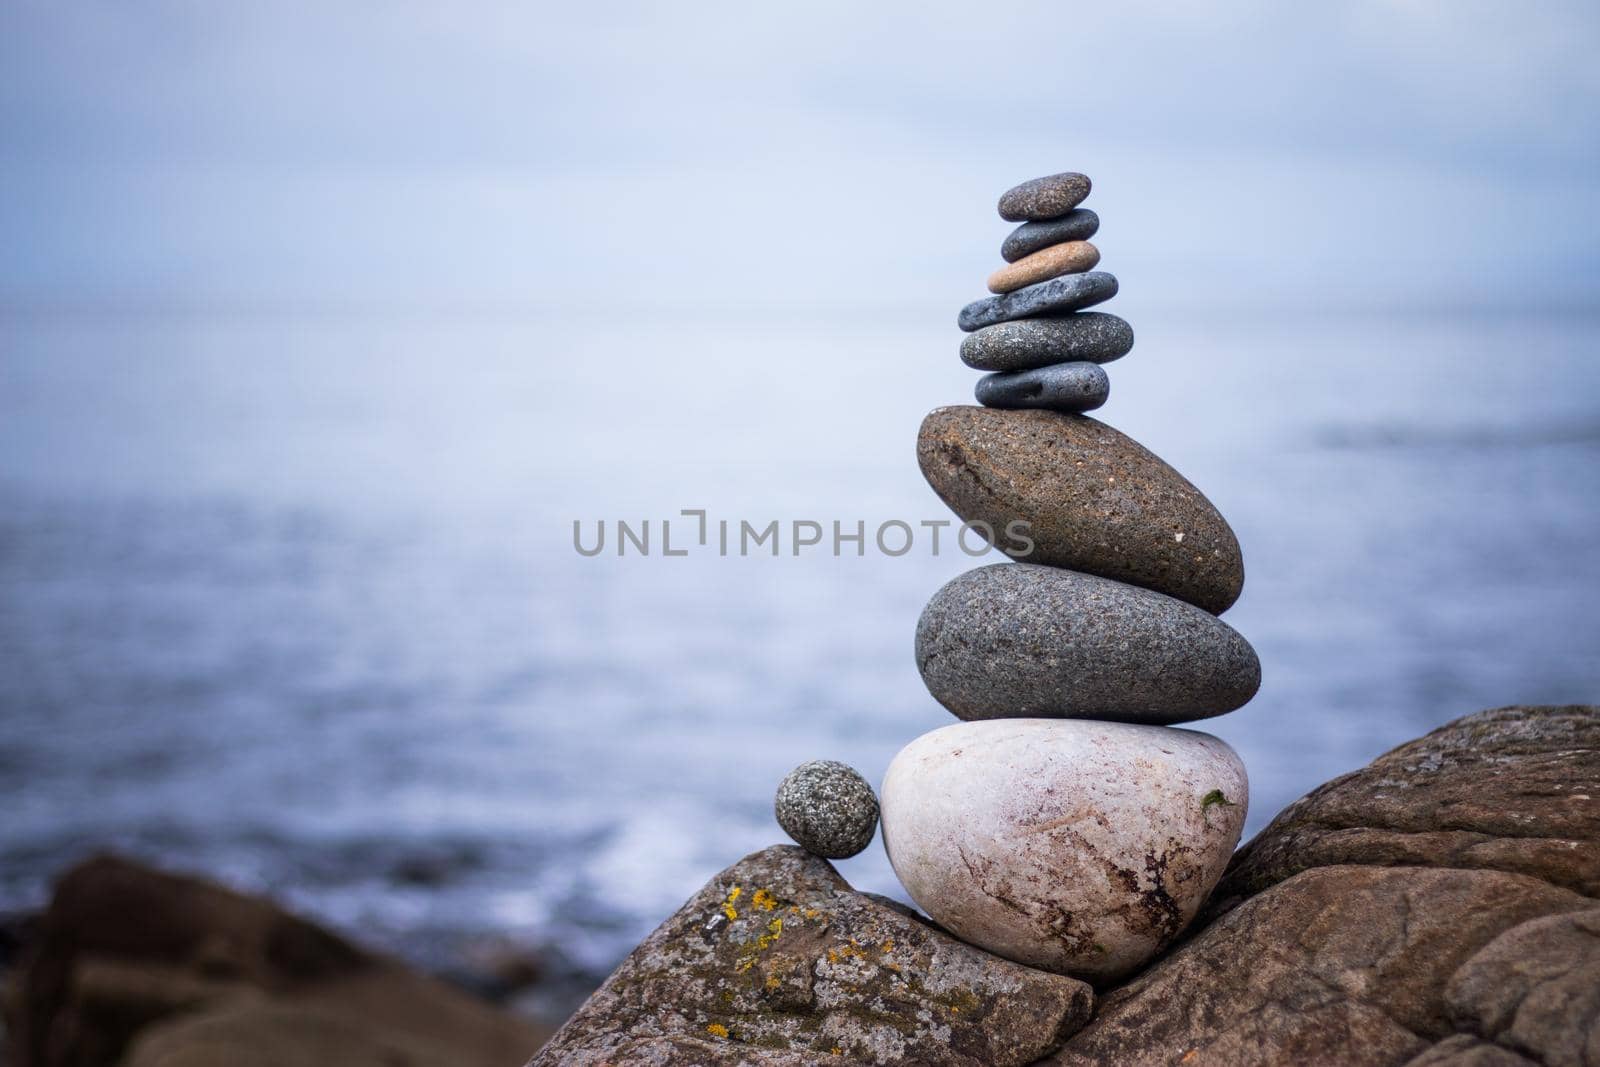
(1071, 257)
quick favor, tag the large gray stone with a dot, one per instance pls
(1070, 292)
(1014, 640)
(1095, 500)
(777, 961)
(1023, 344)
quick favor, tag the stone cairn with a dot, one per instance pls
(1063, 823)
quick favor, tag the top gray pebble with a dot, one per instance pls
(827, 808)
(1044, 198)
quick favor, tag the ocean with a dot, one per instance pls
(289, 596)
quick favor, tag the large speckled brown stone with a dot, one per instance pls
(1095, 500)
(778, 962)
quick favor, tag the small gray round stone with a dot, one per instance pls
(1023, 344)
(1079, 224)
(827, 808)
(1069, 292)
(1043, 198)
(1063, 387)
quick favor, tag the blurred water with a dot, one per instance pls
(291, 598)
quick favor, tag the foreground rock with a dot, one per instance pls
(1434, 908)
(1079, 847)
(1097, 501)
(777, 961)
(1020, 640)
(174, 972)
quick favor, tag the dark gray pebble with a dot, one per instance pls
(1063, 387)
(1027, 343)
(1070, 292)
(1043, 198)
(827, 808)
(1017, 640)
(1077, 225)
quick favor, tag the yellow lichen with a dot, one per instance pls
(727, 905)
(764, 900)
(717, 1030)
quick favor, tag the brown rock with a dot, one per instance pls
(1513, 789)
(1072, 257)
(1536, 989)
(1096, 500)
(124, 950)
(777, 961)
(1464, 1050)
(1337, 965)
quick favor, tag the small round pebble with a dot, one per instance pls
(1079, 224)
(1064, 387)
(1070, 292)
(1073, 257)
(1043, 198)
(1023, 344)
(827, 808)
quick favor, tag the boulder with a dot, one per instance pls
(131, 957)
(1433, 908)
(777, 961)
(1512, 789)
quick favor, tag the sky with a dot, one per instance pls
(1379, 152)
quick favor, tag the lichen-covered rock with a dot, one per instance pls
(1337, 965)
(1095, 500)
(1510, 789)
(777, 961)
(1077, 846)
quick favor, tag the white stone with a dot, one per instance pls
(1075, 846)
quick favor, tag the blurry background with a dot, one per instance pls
(320, 324)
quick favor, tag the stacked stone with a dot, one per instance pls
(1065, 824)
(1043, 349)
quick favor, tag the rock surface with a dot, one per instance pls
(1425, 910)
(828, 808)
(1063, 387)
(129, 955)
(1337, 965)
(1079, 224)
(1097, 501)
(1070, 292)
(777, 961)
(1018, 640)
(1023, 344)
(1079, 847)
(1071, 257)
(1506, 789)
(1044, 198)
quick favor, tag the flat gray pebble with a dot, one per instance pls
(1063, 387)
(827, 808)
(1018, 640)
(1023, 344)
(1070, 292)
(1043, 198)
(1079, 224)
